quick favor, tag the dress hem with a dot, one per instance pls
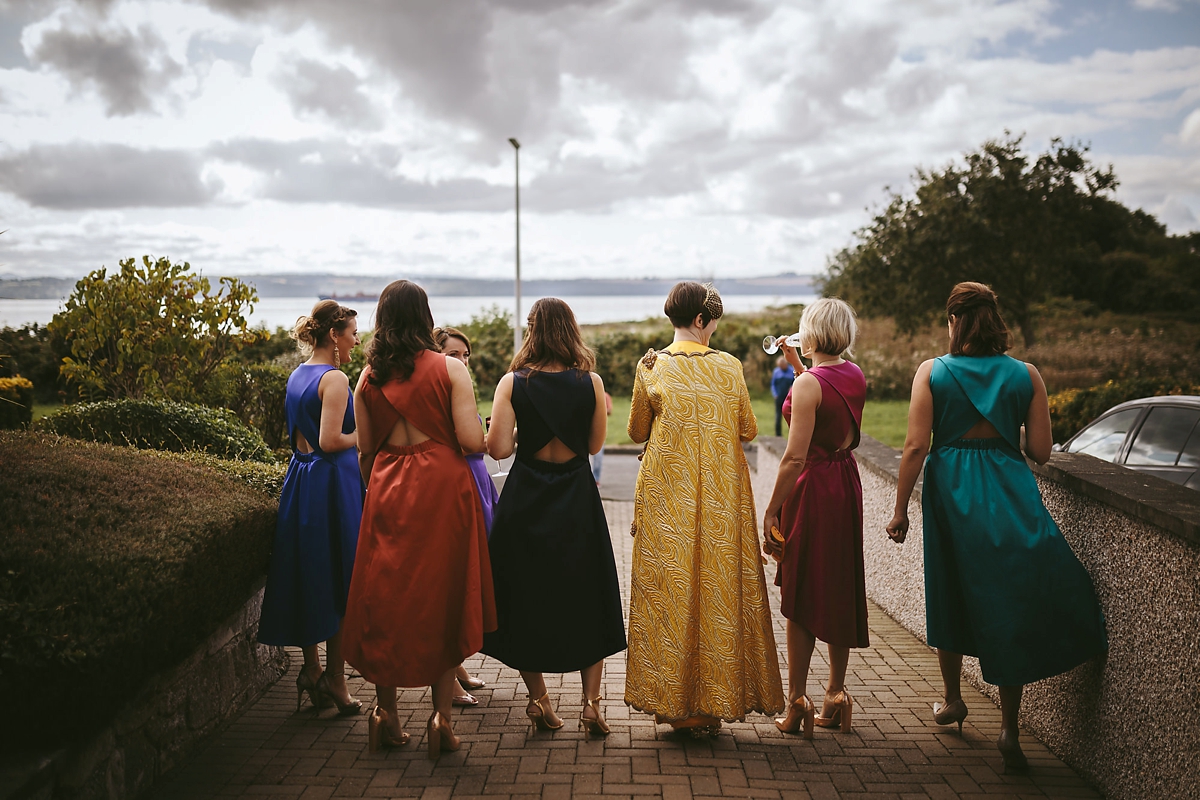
(659, 718)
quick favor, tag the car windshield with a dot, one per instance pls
(1104, 437)
(1162, 436)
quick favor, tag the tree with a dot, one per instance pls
(1025, 227)
(155, 330)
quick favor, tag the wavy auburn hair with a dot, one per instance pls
(403, 329)
(978, 330)
(553, 337)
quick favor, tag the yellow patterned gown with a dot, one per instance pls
(700, 637)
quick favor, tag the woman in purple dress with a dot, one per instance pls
(454, 343)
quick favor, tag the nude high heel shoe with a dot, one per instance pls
(597, 725)
(538, 712)
(950, 713)
(379, 736)
(440, 736)
(843, 707)
(800, 714)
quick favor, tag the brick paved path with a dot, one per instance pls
(894, 750)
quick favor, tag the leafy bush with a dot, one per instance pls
(115, 566)
(491, 348)
(157, 425)
(16, 402)
(256, 394)
(1074, 408)
(29, 351)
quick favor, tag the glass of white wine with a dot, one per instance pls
(771, 343)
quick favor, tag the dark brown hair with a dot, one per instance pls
(553, 337)
(978, 330)
(403, 329)
(441, 335)
(313, 330)
(688, 299)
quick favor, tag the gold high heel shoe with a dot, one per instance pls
(950, 713)
(597, 726)
(344, 709)
(539, 712)
(307, 684)
(379, 735)
(843, 707)
(440, 736)
(804, 708)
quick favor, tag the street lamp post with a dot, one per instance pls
(517, 183)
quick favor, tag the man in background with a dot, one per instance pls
(781, 384)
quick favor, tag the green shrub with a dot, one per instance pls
(16, 402)
(115, 566)
(29, 351)
(1074, 408)
(260, 476)
(158, 425)
(256, 394)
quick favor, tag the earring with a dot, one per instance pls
(337, 356)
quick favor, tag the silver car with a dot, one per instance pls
(1156, 435)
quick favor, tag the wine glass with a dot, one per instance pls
(771, 346)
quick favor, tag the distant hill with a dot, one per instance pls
(368, 285)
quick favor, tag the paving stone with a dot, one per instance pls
(895, 750)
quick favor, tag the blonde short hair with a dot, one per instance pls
(829, 326)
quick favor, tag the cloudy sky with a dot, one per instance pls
(659, 137)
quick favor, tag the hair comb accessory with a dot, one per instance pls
(712, 302)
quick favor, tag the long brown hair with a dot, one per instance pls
(403, 329)
(553, 337)
(978, 330)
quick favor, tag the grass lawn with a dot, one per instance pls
(886, 420)
(44, 410)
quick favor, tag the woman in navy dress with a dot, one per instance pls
(1001, 582)
(550, 531)
(320, 509)
(454, 343)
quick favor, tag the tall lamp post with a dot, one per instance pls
(517, 183)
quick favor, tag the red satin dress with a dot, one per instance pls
(822, 577)
(421, 594)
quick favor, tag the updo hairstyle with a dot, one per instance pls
(689, 299)
(442, 335)
(313, 331)
(829, 326)
(978, 329)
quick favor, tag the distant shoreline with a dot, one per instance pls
(364, 286)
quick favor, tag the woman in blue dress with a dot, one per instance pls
(1001, 582)
(320, 508)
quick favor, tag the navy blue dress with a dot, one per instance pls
(550, 522)
(316, 533)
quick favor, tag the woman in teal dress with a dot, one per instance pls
(1001, 582)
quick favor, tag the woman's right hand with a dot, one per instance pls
(791, 354)
(898, 527)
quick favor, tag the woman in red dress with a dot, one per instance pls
(421, 595)
(817, 503)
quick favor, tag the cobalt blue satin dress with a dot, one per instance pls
(1001, 582)
(316, 533)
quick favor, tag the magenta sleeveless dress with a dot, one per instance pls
(822, 576)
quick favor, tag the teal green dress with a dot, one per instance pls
(1001, 583)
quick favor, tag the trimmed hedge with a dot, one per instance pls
(116, 565)
(159, 425)
(16, 402)
(1074, 408)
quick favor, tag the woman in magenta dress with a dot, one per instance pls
(817, 507)
(421, 596)
(455, 344)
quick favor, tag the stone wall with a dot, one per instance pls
(1130, 722)
(159, 728)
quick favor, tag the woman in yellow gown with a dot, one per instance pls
(701, 645)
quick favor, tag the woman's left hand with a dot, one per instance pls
(791, 354)
(770, 546)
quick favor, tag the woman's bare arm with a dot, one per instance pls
(916, 447)
(1039, 438)
(362, 422)
(806, 399)
(599, 429)
(334, 391)
(463, 408)
(501, 440)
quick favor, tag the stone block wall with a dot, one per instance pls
(1130, 722)
(159, 728)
